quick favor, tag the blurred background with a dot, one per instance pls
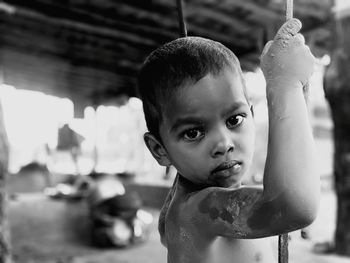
(71, 120)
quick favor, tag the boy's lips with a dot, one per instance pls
(226, 169)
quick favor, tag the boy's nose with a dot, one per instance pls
(223, 144)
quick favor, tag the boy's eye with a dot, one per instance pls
(193, 134)
(234, 121)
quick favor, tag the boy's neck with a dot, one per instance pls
(191, 186)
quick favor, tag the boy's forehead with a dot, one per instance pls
(192, 88)
(220, 91)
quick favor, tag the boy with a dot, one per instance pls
(200, 121)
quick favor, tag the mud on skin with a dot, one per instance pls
(226, 207)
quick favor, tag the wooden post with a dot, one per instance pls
(337, 91)
(5, 251)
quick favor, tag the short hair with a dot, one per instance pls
(170, 66)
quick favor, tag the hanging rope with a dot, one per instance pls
(289, 9)
(283, 248)
(283, 239)
(182, 24)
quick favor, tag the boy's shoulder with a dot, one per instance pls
(172, 212)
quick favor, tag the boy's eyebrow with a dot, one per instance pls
(235, 106)
(185, 120)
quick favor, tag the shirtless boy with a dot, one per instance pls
(200, 121)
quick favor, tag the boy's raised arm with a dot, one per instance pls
(289, 177)
(289, 197)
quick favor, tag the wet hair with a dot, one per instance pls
(180, 61)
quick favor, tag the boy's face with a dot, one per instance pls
(208, 131)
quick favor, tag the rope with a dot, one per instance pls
(182, 24)
(283, 239)
(283, 248)
(289, 9)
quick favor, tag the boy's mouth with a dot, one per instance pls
(226, 169)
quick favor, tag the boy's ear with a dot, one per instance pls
(156, 148)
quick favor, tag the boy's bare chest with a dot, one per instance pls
(224, 250)
(187, 246)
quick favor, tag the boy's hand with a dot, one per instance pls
(287, 60)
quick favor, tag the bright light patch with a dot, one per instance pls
(31, 121)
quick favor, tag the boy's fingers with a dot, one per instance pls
(288, 29)
(300, 38)
(266, 48)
